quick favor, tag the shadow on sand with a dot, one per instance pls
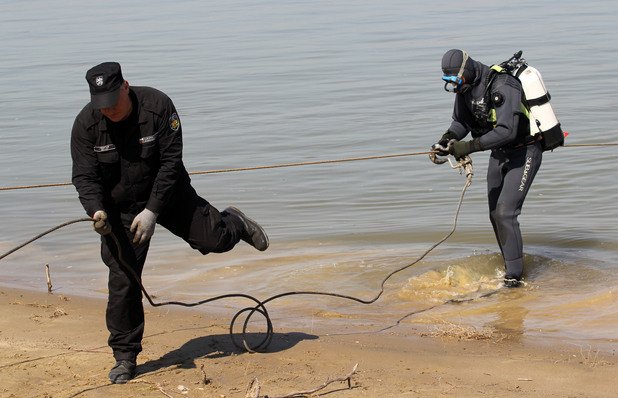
(217, 346)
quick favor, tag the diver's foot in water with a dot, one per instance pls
(511, 281)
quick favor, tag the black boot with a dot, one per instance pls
(252, 232)
(123, 371)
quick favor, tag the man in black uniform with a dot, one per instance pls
(126, 146)
(489, 105)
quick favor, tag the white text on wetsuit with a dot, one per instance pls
(524, 177)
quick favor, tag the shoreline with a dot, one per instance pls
(55, 346)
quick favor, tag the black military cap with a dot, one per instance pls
(104, 81)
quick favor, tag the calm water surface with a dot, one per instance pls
(259, 83)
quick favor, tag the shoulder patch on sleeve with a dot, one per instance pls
(174, 122)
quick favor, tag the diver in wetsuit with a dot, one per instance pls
(489, 105)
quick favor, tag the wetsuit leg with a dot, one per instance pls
(125, 312)
(509, 177)
(201, 225)
(495, 179)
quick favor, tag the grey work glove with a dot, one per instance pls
(100, 224)
(143, 226)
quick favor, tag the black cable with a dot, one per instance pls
(260, 305)
(43, 234)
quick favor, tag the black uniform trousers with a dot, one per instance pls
(510, 173)
(190, 217)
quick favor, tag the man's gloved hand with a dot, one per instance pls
(143, 226)
(100, 224)
(459, 149)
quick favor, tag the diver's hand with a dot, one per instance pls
(460, 149)
(438, 153)
(441, 147)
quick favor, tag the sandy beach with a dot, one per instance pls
(314, 118)
(55, 346)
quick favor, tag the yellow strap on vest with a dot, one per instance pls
(522, 107)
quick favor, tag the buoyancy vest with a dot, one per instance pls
(484, 111)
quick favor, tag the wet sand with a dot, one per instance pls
(55, 346)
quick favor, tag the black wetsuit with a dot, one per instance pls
(515, 155)
(125, 167)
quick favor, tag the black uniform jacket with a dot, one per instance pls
(136, 163)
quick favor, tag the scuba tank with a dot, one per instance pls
(543, 120)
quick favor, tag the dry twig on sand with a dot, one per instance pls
(49, 283)
(162, 391)
(254, 387)
(205, 379)
(253, 391)
(589, 357)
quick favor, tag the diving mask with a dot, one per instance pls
(453, 83)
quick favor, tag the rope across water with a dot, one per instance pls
(283, 165)
(230, 170)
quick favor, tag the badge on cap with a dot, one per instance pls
(99, 81)
(174, 122)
